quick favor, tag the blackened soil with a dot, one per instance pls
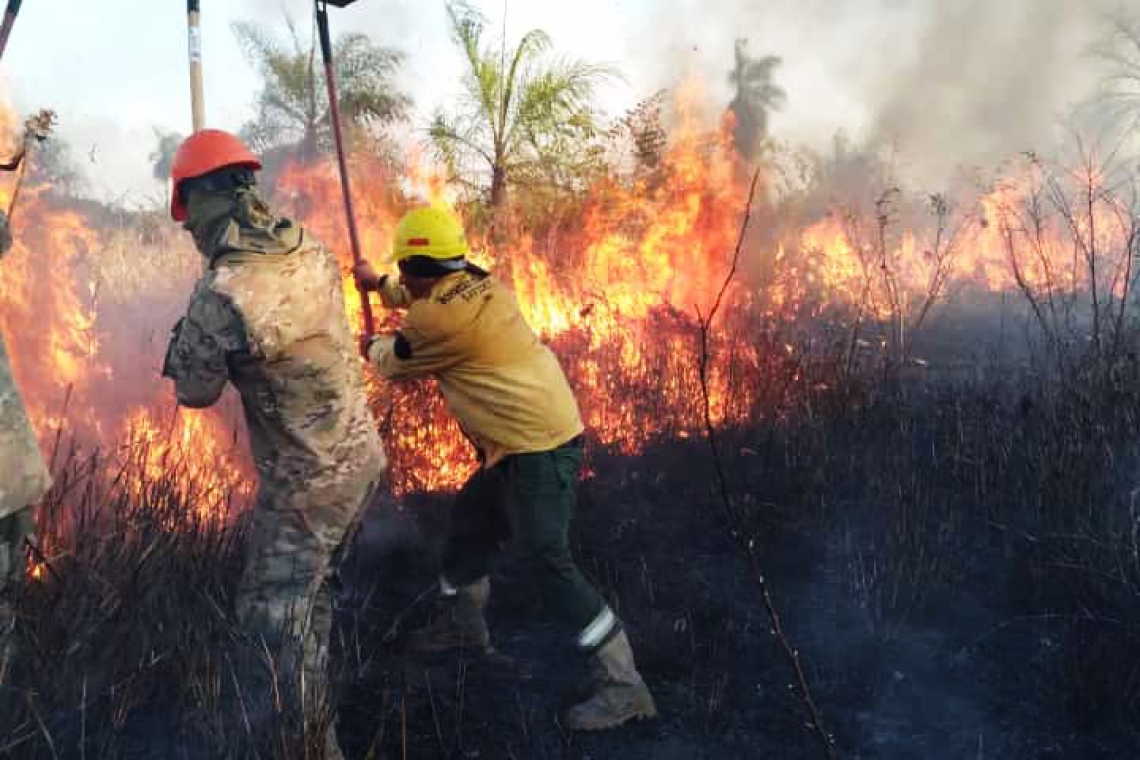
(944, 676)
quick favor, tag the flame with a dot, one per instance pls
(619, 296)
(615, 298)
(80, 307)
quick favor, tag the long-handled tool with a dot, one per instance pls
(334, 113)
(36, 128)
(194, 26)
(9, 21)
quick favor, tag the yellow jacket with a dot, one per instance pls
(500, 381)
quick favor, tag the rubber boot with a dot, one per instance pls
(619, 695)
(459, 624)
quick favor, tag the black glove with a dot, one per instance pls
(175, 334)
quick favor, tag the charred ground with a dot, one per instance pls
(954, 561)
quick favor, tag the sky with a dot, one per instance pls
(956, 81)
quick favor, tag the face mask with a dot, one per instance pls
(208, 218)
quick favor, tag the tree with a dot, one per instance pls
(522, 113)
(53, 163)
(162, 157)
(1119, 51)
(293, 107)
(642, 128)
(756, 96)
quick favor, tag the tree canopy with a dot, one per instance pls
(293, 106)
(524, 112)
(756, 95)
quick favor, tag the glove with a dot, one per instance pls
(175, 334)
(366, 277)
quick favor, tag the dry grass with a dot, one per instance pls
(128, 643)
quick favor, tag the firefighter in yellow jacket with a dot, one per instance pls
(511, 398)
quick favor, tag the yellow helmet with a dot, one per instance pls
(432, 231)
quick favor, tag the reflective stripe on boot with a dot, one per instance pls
(619, 694)
(459, 623)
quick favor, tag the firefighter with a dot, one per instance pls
(510, 396)
(268, 317)
(23, 481)
(23, 477)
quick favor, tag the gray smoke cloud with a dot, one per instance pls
(948, 84)
(985, 80)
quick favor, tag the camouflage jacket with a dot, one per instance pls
(23, 477)
(269, 318)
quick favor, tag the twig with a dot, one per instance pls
(40, 557)
(827, 742)
(17, 742)
(460, 694)
(378, 738)
(43, 727)
(38, 127)
(403, 714)
(1044, 617)
(241, 697)
(83, 723)
(390, 635)
(435, 715)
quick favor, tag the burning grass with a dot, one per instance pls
(888, 502)
(128, 643)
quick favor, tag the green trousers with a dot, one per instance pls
(527, 501)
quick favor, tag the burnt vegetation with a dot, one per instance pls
(956, 562)
(954, 555)
(891, 514)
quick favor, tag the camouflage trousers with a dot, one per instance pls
(284, 598)
(14, 530)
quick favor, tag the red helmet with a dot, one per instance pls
(204, 152)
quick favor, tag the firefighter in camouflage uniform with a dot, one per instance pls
(269, 318)
(23, 480)
(23, 477)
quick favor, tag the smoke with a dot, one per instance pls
(946, 85)
(949, 83)
(984, 81)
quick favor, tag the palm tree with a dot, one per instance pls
(521, 110)
(293, 108)
(756, 95)
(162, 157)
